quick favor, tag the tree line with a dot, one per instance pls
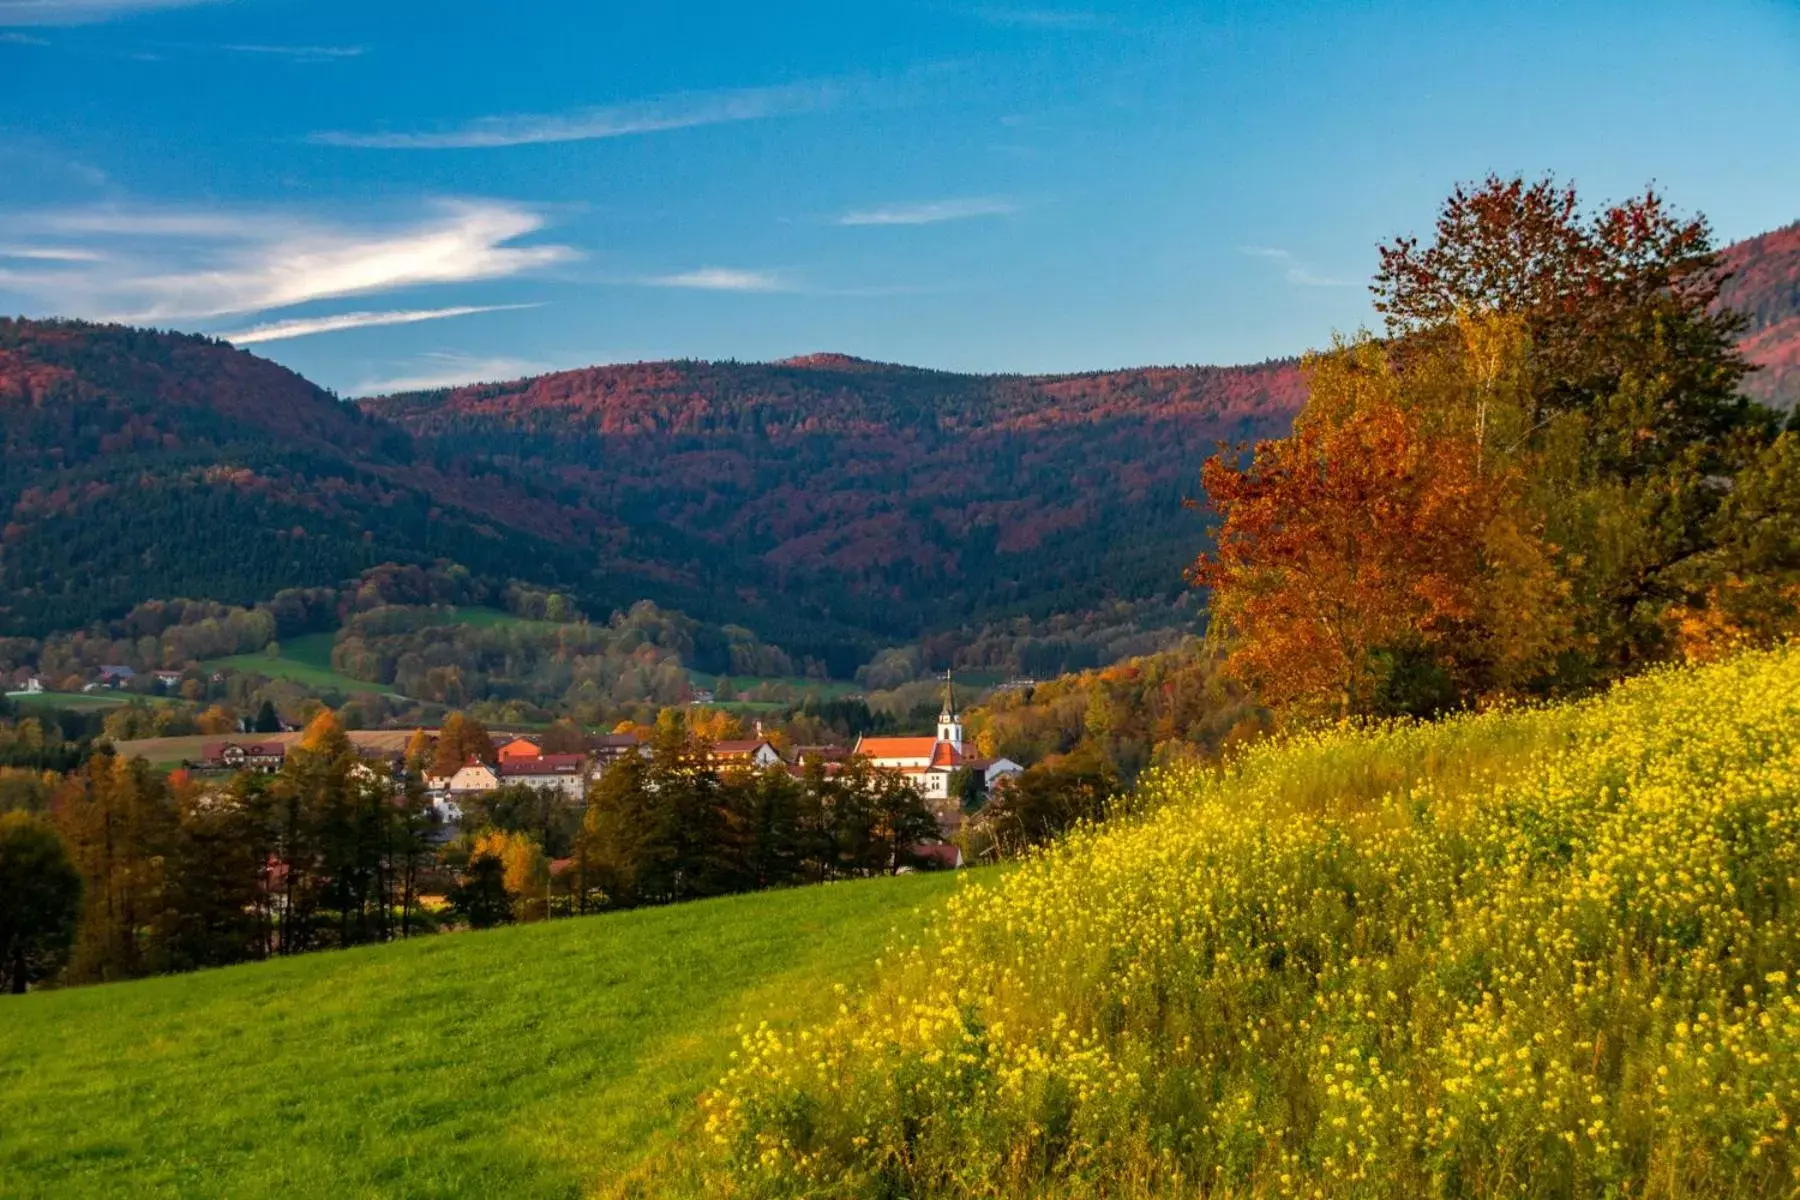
(171, 874)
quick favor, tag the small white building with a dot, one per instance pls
(472, 776)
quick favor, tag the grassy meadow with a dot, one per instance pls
(305, 659)
(1549, 952)
(544, 1060)
(39, 702)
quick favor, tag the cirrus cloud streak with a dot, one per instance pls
(930, 212)
(723, 279)
(159, 265)
(276, 331)
(80, 12)
(684, 111)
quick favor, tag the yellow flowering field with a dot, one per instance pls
(1548, 952)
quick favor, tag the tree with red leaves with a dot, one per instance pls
(1375, 561)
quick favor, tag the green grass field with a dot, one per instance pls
(547, 1060)
(305, 659)
(73, 701)
(493, 618)
(826, 689)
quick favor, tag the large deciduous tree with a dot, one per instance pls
(1542, 479)
(1379, 559)
(1633, 422)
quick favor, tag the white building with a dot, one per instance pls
(930, 761)
(565, 773)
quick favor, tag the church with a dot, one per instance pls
(930, 761)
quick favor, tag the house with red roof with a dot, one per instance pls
(263, 758)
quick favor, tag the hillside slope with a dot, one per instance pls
(534, 1061)
(136, 464)
(1545, 953)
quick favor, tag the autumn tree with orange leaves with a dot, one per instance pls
(1377, 560)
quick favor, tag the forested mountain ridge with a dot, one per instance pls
(140, 464)
(884, 497)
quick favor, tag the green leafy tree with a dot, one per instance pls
(40, 901)
(1049, 799)
(545, 813)
(480, 895)
(1631, 420)
(627, 845)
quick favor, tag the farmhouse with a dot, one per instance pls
(472, 776)
(755, 753)
(604, 749)
(565, 773)
(264, 758)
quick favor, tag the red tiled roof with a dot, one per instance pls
(945, 756)
(827, 753)
(897, 747)
(941, 853)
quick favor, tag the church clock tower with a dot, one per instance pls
(949, 721)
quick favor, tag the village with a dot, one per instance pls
(930, 764)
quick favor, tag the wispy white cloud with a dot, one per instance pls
(305, 54)
(80, 12)
(21, 39)
(156, 265)
(51, 254)
(620, 120)
(723, 279)
(444, 370)
(1295, 271)
(275, 331)
(929, 212)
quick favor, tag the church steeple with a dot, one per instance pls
(949, 721)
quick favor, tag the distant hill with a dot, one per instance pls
(882, 497)
(830, 503)
(140, 464)
(1766, 289)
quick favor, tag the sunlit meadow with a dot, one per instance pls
(1547, 952)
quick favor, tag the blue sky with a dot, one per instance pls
(402, 192)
